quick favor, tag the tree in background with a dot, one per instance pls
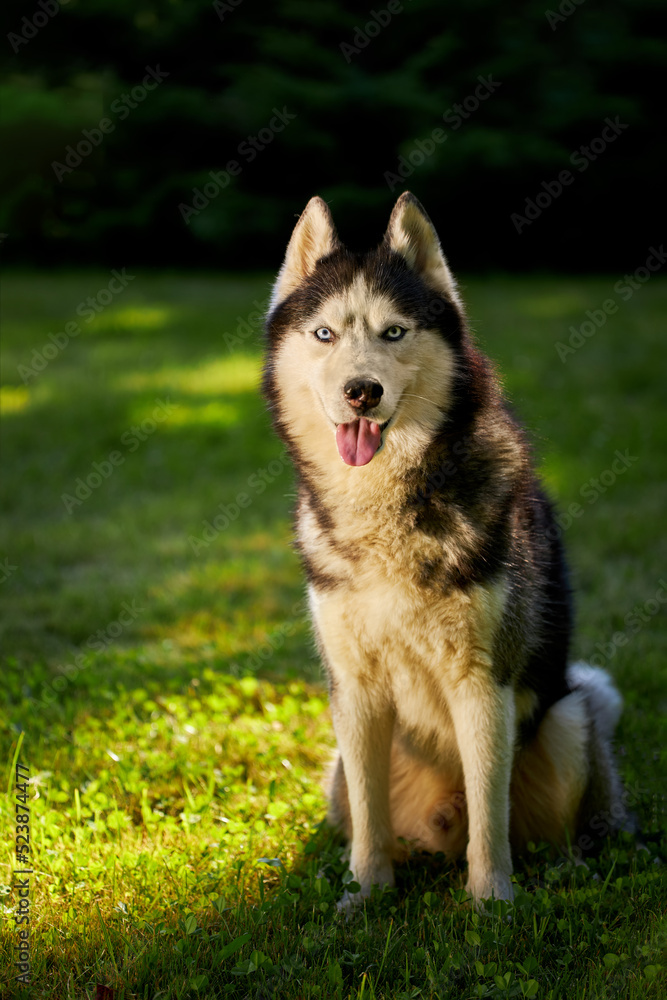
(174, 132)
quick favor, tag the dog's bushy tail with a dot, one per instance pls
(603, 809)
(604, 702)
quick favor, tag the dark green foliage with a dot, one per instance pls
(357, 112)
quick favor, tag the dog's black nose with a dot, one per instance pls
(362, 393)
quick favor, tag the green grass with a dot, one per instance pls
(176, 748)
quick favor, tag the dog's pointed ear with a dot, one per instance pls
(411, 233)
(314, 237)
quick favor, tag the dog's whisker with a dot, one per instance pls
(413, 395)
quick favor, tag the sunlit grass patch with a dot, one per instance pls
(134, 319)
(164, 801)
(234, 374)
(216, 413)
(13, 399)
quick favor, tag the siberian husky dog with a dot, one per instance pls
(438, 589)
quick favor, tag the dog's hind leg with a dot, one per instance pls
(564, 783)
(550, 776)
(335, 786)
(428, 805)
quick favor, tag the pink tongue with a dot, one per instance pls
(358, 441)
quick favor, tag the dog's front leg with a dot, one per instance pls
(364, 722)
(483, 716)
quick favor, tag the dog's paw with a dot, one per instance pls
(382, 877)
(489, 885)
(349, 903)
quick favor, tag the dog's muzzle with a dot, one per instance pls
(362, 394)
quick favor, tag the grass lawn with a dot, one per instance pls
(161, 686)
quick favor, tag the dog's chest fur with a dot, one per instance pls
(383, 622)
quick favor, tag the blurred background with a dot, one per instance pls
(159, 678)
(516, 91)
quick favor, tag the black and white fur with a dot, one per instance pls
(439, 595)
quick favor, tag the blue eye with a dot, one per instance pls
(394, 333)
(324, 334)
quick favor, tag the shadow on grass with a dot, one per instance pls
(150, 504)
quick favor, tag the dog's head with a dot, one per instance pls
(363, 347)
